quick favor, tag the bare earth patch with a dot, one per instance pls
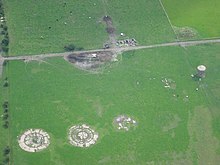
(91, 61)
(110, 30)
(124, 122)
(185, 32)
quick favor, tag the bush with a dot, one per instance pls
(5, 42)
(79, 48)
(6, 84)
(6, 150)
(5, 28)
(5, 104)
(70, 47)
(5, 49)
(5, 116)
(6, 125)
(6, 161)
(6, 110)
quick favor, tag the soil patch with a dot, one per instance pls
(110, 30)
(91, 61)
(185, 32)
(108, 20)
(124, 122)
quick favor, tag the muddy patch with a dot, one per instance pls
(109, 29)
(186, 32)
(91, 61)
(111, 32)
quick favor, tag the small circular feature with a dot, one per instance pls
(123, 122)
(82, 136)
(201, 68)
(34, 140)
(201, 71)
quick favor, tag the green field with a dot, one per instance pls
(202, 15)
(54, 96)
(178, 125)
(28, 21)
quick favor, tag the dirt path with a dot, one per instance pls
(165, 12)
(115, 50)
(120, 50)
(110, 30)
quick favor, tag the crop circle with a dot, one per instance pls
(34, 140)
(82, 136)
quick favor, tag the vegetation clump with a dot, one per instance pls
(5, 116)
(3, 31)
(72, 47)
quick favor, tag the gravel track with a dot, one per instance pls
(40, 57)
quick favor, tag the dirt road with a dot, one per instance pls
(118, 50)
(114, 50)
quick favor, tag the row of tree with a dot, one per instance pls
(3, 31)
(4, 43)
(5, 116)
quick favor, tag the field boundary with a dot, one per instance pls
(165, 12)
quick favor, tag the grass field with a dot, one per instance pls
(148, 24)
(75, 96)
(202, 15)
(28, 21)
(176, 125)
(60, 96)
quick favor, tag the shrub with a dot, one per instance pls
(70, 47)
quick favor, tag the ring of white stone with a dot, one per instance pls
(82, 136)
(34, 140)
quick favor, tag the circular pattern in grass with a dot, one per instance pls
(34, 140)
(82, 136)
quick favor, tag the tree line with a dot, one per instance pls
(3, 31)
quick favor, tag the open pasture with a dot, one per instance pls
(201, 15)
(47, 26)
(166, 117)
(57, 95)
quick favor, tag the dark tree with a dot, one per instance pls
(6, 110)
(6, 124)
(5, 28)
(6, 160)
(5, 104)
(5, 49)
(6, 150)
(6, 84)
(70, 47)
(5, 116)
(5, 42)
(3, 32)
